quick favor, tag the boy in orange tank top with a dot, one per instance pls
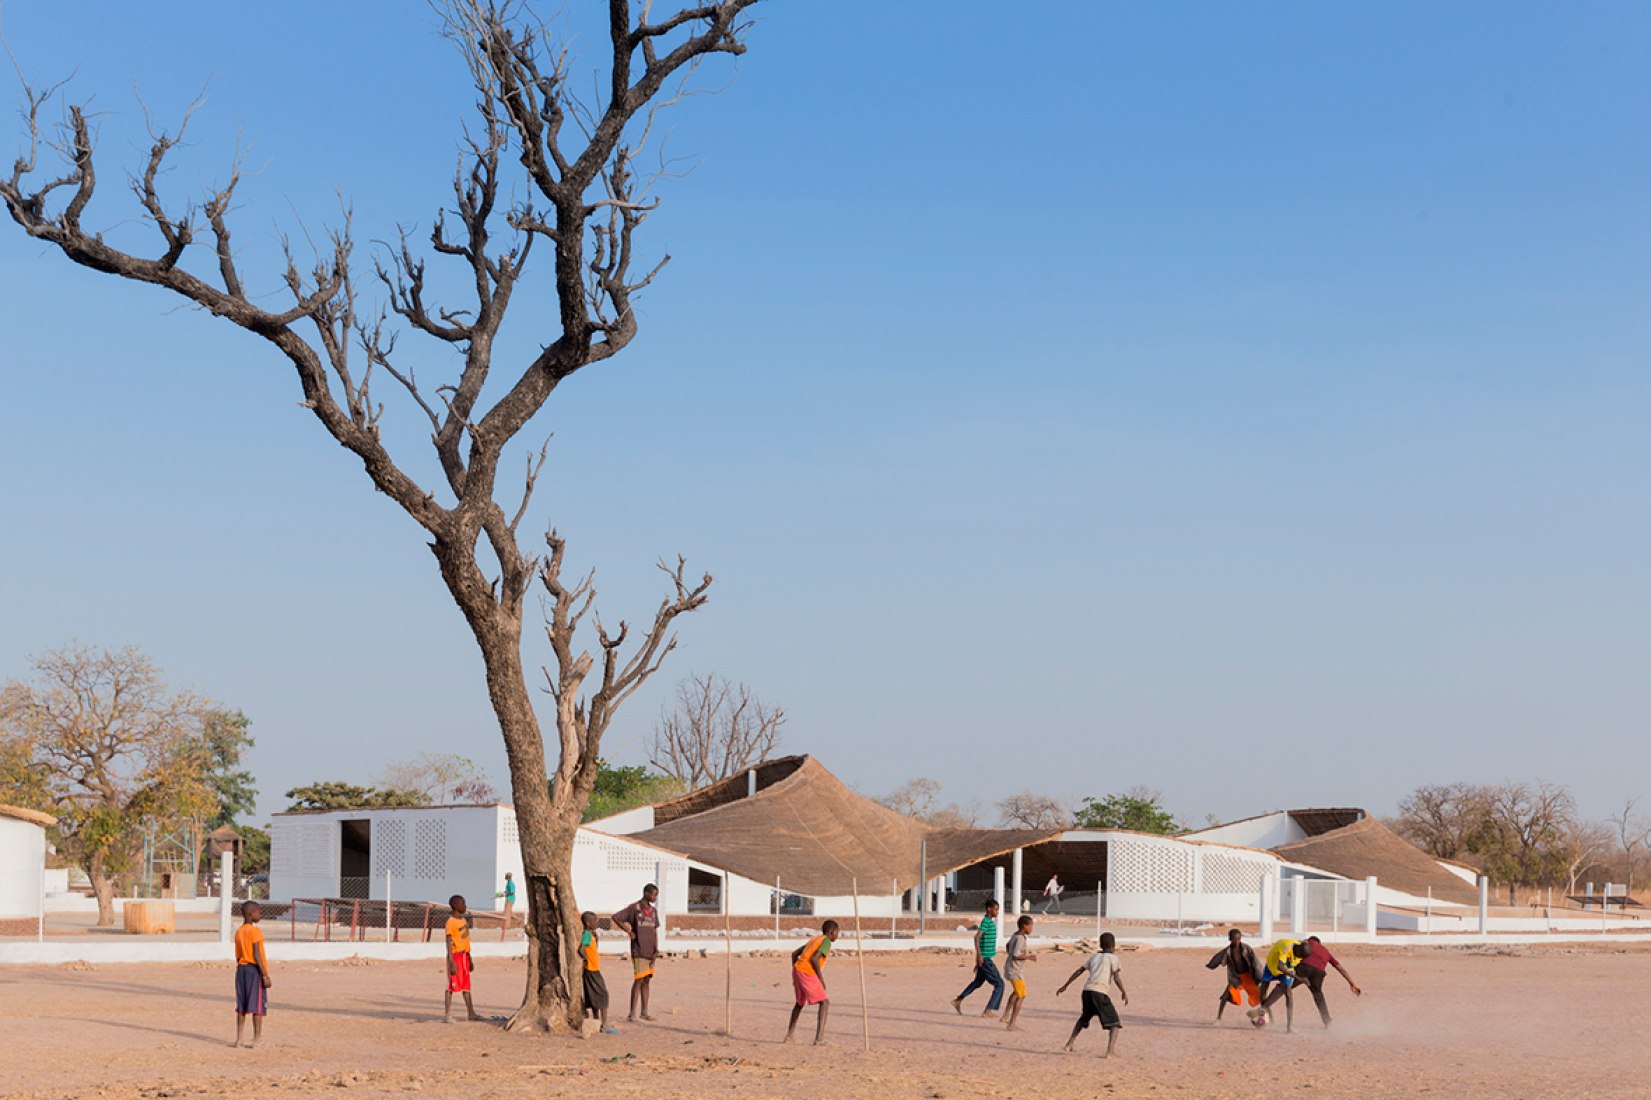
(808, 979)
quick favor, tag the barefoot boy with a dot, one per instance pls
(1016, 954)
(1239, 959)
(459, 962)
(640, 921)
(251, 974)
(1280, 970)
(1103, 970)
(596, 987)
(808, 979)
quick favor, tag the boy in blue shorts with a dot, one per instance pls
(251, 975)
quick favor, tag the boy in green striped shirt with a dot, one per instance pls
(985, 964)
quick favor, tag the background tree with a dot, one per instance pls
(1442, 818)
(1138, 809)
(539, 169)
(441, 777)
(1633, 837)
(115, 752)
(333, 795)
(920, 798)
(624, 788)
(1584, 846)
(1027, 810)
(1520, 842)
(226, 736)
(254, 849)
(713, 729)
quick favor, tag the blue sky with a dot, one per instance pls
(1113, 394)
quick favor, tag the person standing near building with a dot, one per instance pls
(509, 896)
(640, 921)
(985, 964)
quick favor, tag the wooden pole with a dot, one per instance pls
(728, 966)
(860, 950)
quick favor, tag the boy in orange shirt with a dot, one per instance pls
(808, 979)
(251, 975)
(459, 962)
(595, 986)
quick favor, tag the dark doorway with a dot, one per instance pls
(355, 854)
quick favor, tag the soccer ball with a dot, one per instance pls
(1259, 1020)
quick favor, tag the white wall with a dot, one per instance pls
(638, 820)
(609, 873)
(1267, 831)
(430, 854)
(303, 857)
(22, 867)
(1466, 874)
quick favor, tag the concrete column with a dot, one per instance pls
(997, 887)
(939, 885)
(1298, 908)
(1015, 882)
(1484, 905)
(226, 893)
(1370, 906)
(1269, 903)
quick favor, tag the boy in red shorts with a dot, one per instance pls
(808, 979)
(459, 962)
(251, 974)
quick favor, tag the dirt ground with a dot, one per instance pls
(1512, 1022)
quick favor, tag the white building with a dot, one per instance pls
(22, 862)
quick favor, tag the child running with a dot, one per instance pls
(251, 975)
(1017, 953)
(985, 964)
(1280, 968)
(1103, 970)
(596, 986)
(808, 979)
(459, 962)
(1239, 959)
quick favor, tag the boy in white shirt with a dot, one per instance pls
(1103, 971)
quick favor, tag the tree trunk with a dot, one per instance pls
(551, 1002)
(103, 886)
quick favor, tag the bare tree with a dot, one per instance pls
(1522, 841)
(1442, 818)
(920, 798)
(713, 729)
(1633, 836)
(440, 777)
(1584, 845)
(1027, 810)
(116, 754)
(539, 169)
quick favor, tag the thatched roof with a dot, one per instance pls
(806, 827)
(34, 817)
(1368, 848)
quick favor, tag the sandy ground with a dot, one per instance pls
(1498, 1022)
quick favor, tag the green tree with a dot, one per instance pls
(225, 737)
(114, 755)
(625, 788)
(254, 849)
(1138, 810)
(333, 795)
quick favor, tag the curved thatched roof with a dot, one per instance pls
(1368, 848)
(806, 827)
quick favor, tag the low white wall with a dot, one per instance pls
(67, 904)
(1196, 908)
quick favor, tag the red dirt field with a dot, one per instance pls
(1509, 1023)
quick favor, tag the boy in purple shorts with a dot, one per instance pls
(251, 975)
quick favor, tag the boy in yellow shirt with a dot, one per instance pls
(251, 974)
(459, 962)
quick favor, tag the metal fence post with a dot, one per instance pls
(779, 903)
(389, 909)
